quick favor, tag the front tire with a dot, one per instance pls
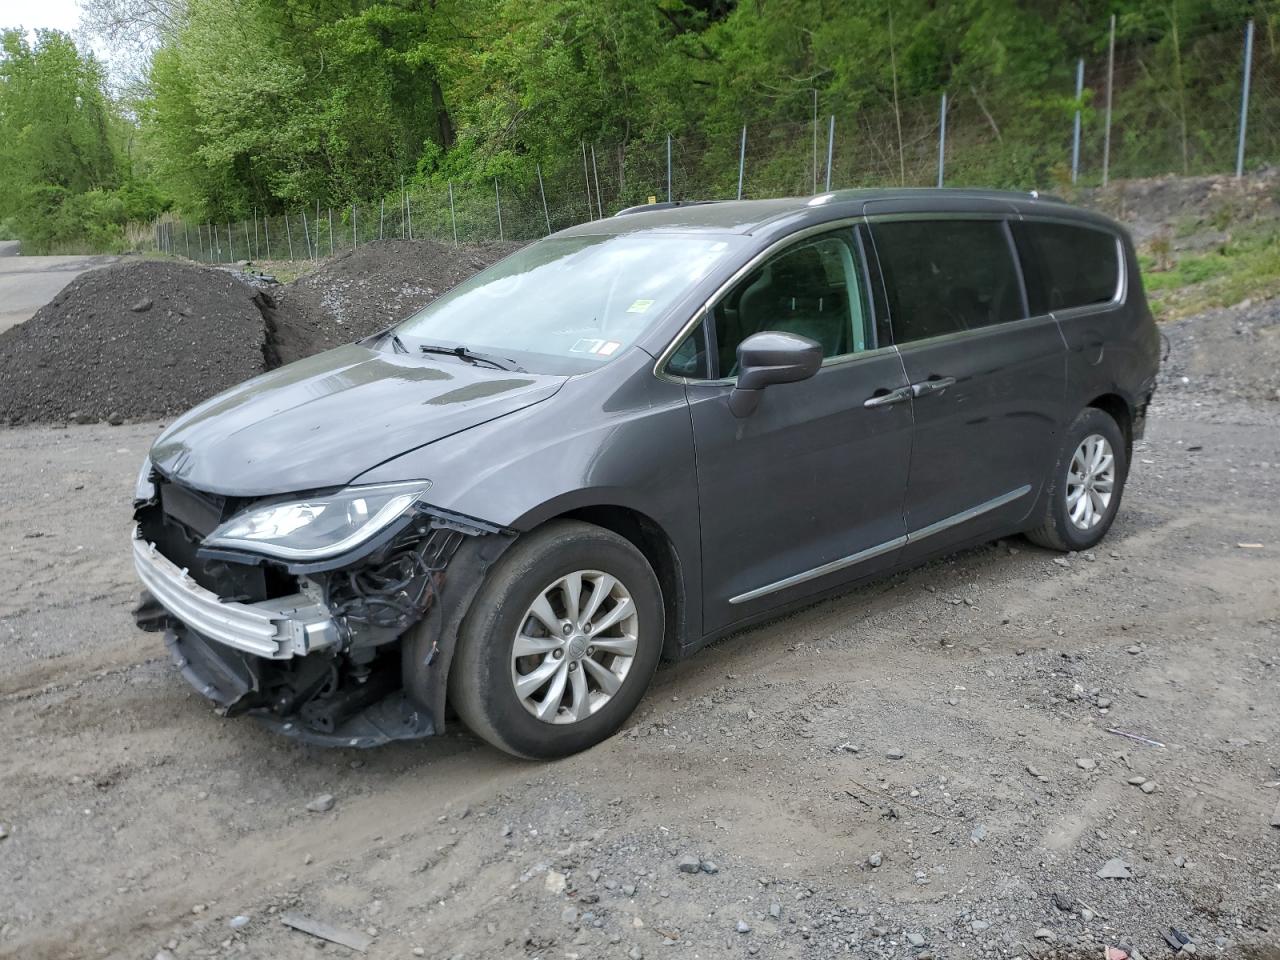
(560, 643)
(1084, 490)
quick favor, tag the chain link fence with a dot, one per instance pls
(1175, 108)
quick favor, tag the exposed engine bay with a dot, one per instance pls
(351, 651)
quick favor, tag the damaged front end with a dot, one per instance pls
(330, 619)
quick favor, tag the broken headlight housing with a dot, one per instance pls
(144, 490)
(318, 527)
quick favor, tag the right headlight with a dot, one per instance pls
(317, 528)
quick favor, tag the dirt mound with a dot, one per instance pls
(128, 342)
(362, 291)
(1173, 205)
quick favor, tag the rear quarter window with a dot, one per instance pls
(1068, 266)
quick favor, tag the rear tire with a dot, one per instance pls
(1084, 490)
(567, 593)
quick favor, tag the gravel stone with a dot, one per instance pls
(1114, 869)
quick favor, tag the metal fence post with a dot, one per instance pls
(1111, 69)
(831, 146)
(942, 137)
(668, 168)
(231, 245)
(815, 140)
(586, 178)
(353, 226)
(255, 233)
(404, 205)
(288, 232)
(330, 209)
(453, 219)
(382, 215)
(742, 159)
(596, 175)
(248, 249)
(408, 212)
(306, 232)
(316, 223)
(1075, 127)
(266, 233)
(543, 193)
(1244, 97)
(497, 199)
(186, 239)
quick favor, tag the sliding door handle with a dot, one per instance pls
(886, 398)
(932, 385)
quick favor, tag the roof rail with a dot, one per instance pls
(664, 205)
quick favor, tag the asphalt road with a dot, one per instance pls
(28, 283)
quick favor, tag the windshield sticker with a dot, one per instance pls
(599, 348)
(640, 306)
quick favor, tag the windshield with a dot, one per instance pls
(567, 304)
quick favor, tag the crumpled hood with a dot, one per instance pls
(324, 420)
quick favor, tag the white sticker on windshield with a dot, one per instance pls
(608, 347)
(586, 346)
(640, 306)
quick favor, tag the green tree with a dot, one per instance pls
(58, 159)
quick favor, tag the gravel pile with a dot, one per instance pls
(1231, 354)
(361, 292)
(135, 341)
(153, 338)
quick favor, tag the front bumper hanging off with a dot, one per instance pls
(373, 713)
(325, 672)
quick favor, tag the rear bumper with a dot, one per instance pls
(277, 629)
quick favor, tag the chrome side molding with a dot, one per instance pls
(882, 548)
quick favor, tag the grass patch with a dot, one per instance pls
(1246, 266)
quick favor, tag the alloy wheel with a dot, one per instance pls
(575, 646)
(1091, 481)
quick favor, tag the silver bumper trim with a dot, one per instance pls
(278, 629)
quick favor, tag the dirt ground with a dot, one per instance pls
(137, 824)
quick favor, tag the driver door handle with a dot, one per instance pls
(887, 398)
(932, 385)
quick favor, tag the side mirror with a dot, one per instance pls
(767, 358)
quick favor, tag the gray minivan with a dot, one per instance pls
(633, 437)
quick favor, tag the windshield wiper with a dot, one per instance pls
(472, 356)
(398, 344)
